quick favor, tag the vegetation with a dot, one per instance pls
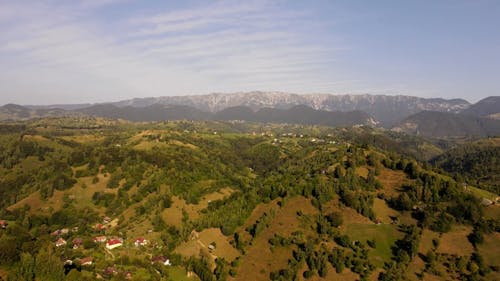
(80, 178)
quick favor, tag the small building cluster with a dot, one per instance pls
(114, 243)
(62, 236)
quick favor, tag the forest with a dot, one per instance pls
(243, 201)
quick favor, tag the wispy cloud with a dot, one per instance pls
(222, 46)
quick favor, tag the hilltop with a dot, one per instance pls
(234, 201)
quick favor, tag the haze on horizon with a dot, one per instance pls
(87, 51)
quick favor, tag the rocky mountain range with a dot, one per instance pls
(412, 115)
(388, 110)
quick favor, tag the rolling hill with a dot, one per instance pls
(489, 106)
(231, 201)
(442, 124)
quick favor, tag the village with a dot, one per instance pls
(67, 239)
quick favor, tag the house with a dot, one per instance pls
(77, 242)
(56, 232)
(100, 239)
(64, 231)
(106, 220)
(211, 247)
(110, 270)
(60, 242)
(114, 243)
(140, 241)
(86, 261)
(75, 229)
(128, 275)
(100, 226)
(161, 260)
(3, 224)
(486, 202)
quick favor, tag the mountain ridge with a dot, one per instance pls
(387, 109)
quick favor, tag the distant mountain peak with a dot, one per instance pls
(385, 108)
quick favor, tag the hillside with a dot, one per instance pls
(478, 163)
(386, 109)
(441, 125)
(489, 106)
(231, 201)
(18, 112)
(294, 115)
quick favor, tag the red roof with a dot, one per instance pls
(113, 242)
(77, 241)
(100, 238)
(161, 259)
(86, 260)
(60, 241)
(140, 239)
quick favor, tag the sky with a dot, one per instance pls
(87, 51)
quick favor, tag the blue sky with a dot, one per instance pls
(108, 50)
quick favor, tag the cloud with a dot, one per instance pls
(227, 46)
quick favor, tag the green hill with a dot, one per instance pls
(232, 201)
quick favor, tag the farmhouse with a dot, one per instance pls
(161, 260)
(109, 271)
(486, 202)
(100, 226)
(140, 241)
(211, 247)
(100, 239)
(77, 242)
(114, 243)
(60, 242)
(86, 261)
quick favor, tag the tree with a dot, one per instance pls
(48, 266)
(25, 270)
(335, 219)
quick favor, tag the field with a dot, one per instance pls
(384, 235)
(482, 193)
(489, 249)
(259, 259)
(392, 181)
(456, 242)
(200, 241)
(174, 214)
(383, 212)
(176, 273)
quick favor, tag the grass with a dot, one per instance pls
(362, 172)
(425, 244)
(260, 259)
(383, 212)
(384, 234)
(456, 242)
(492, 212)
(392, 181)
(205, 238)
(173, 215)
(177, 273)
(489, 248)
(482, 193)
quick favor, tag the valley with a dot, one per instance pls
(236, 201)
